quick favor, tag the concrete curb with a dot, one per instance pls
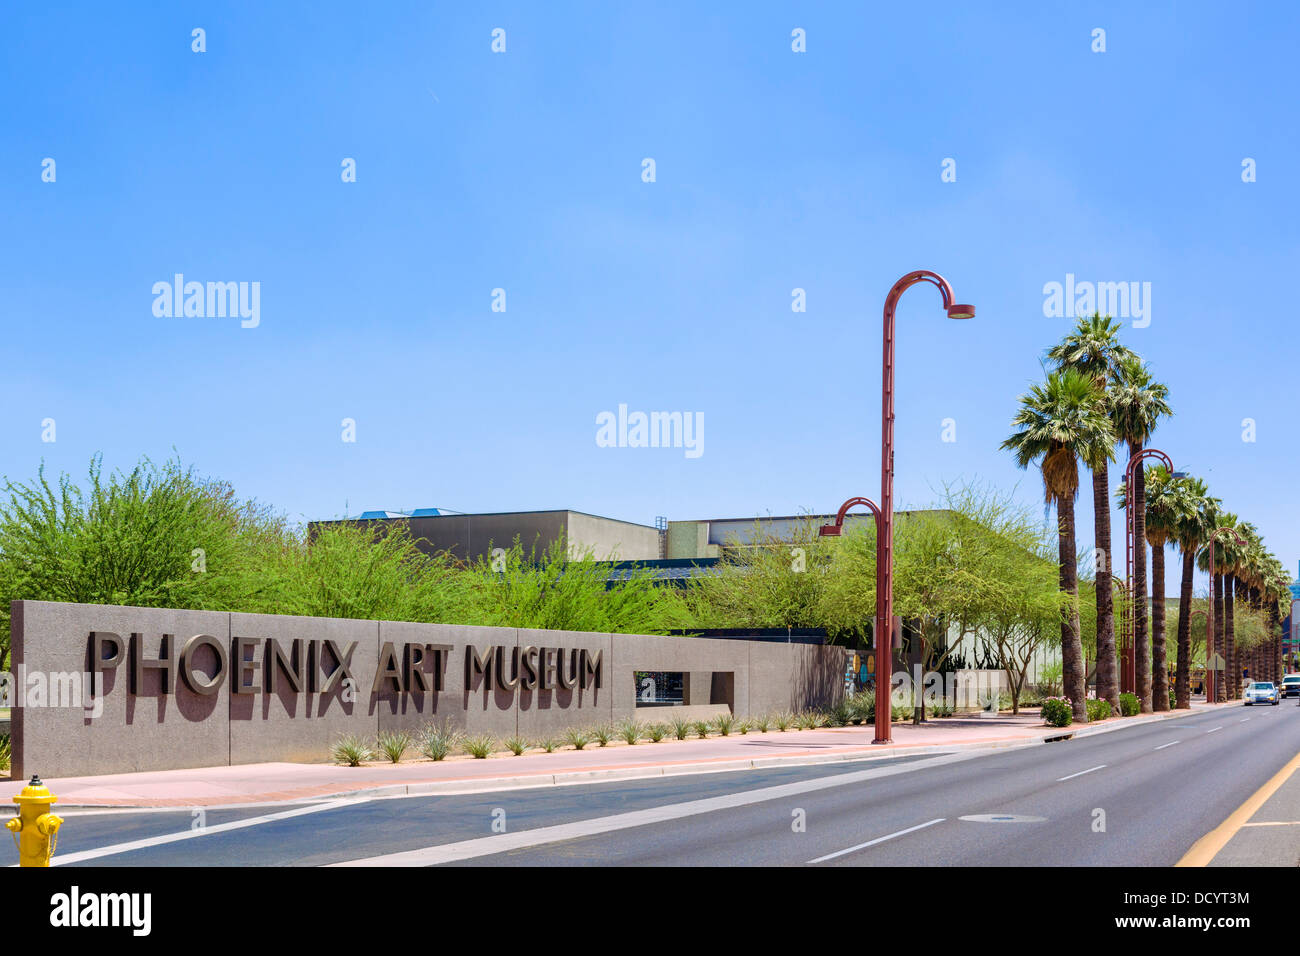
(465, 785)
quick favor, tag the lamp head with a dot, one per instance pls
(829, 531)
(961, 311)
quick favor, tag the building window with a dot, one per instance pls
(660, 688)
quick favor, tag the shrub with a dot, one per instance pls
(351, 751)
(1057, 712)
(744, 726)
(761, 723)
(576, 738)
(630, 731)
(394, 745)
(783, 721)
(656, 732)
(516, 745)
(1129, 705)
(724, 723)
(6, 749)
(480, 747)
(1099, 709)
(840, 714)
(702, 728)
(681, 727)
(940, 708)
(438, 740)
(808, 720)
(602, 734)
(862, 706)
(548, 744)
(898, 712)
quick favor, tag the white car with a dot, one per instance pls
(1291, 685)
(1261, 692)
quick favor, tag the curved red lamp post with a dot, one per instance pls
(1211, 681)
(882, 687)
(885, 519)
(1192, 617)
(1128, 661)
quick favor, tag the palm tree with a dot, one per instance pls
(1164, 512)
(1191, 528)
(1060, 423)
(1223, 560)
(1094, 349)
(1138, 403)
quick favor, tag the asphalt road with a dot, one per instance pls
(1139, 795)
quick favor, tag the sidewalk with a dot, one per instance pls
(285, 782)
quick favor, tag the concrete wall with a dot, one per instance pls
(255, 714)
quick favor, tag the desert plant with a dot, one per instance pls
(394, 744)
(1128, 704)
(1057, 712)
(783, 720)
(761, 723)
(702, 728)
(516, 745)
(602, 734)
(630, 731)
(479, 747)
(939, 708)
(899, 712)
(681, 727)
(548, 744)
(6, 749)
(808, 720)
(862, 706)
(656, 732)
(438, 740)
(351, 751)
(744, 725)
(724, 724)
(577, 739)
(840, 714)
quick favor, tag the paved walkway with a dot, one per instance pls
(282, 782)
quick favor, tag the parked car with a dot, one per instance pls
(1291, 685)
(1261, 692)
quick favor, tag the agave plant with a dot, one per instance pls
(577, 739)
(784, 721)
(548, 744)
(761, 723)
(516, 745)
(351, 751)
(702, 728)
(630, 731)
(681, 727)
(394, 745)
(438, 740)
(479, 747)
(603, 734)
(656, 732)
(723, 723)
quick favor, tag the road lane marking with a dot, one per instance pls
(863, 846)
(1243, 720)
(1273, 823)
(540, 836)
(1207, 847)
(199, 832)
(1213, 729)
(1081, 773)
(1170, 744)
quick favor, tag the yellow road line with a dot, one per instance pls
(1207, 847)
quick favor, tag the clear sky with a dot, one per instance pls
(523, 170)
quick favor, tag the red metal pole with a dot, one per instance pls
(1128, 660)
(885, 537)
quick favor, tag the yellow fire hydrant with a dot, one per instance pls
(35, 829)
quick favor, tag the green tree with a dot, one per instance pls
(1138, 402)
(1093, 347)
(1061, 423)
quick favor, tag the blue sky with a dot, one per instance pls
(522, 171)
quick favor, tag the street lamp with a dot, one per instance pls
(834, 531)
(1211, 688)
(1191, 617)
(885, 519)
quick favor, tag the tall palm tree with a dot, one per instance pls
(1094, 349)
(1191, 529)
(1236, 556)
(1138, 403)
(1062, 422)
(1165, 506)
(1224, 556)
